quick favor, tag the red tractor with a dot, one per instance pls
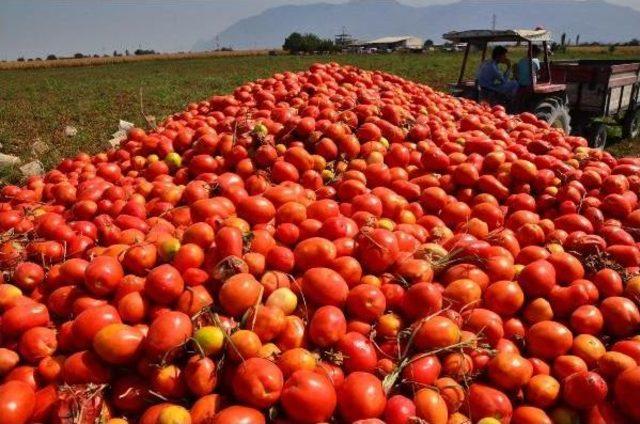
(589, 95)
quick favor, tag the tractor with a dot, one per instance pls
(591, 95)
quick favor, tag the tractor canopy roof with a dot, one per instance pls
(483, 36)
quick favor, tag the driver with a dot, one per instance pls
(491, 78)
(524, 67)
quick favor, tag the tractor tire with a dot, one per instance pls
(631, 125)
(598, 135)
(554, 111)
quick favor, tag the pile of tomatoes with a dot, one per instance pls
(335, 245)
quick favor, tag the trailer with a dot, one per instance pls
(601, 93)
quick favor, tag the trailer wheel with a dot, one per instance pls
(554, 111)
(631, 124)
(598, 136)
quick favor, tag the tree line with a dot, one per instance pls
(297, 43)
(137, 52)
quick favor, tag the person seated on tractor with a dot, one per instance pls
(491, 78)
(523, 69)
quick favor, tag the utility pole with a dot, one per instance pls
(494, 20)
(343, 40)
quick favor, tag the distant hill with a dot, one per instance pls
(594, 20)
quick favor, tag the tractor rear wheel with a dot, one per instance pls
(555, 111)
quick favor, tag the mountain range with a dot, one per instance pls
(593, 20)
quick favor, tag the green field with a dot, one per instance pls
(39, 103)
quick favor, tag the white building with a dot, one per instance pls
(394, 43)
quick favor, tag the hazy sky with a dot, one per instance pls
(35, 28)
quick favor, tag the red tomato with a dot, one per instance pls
(103, 275)
(239, 414)
(361, 396)
(328, 325)
(168, 331)
(308, 397)
(258, 382)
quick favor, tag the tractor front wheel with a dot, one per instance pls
(598, 135)
(631, 124)
(556, 112)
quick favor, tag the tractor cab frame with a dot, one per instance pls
(543, 97)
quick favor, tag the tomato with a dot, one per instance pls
(8, 360)
(118, 343)
(436, 332)
(421, 300)
(37, 343)
(484, 401)
(621, 316)
(451, 392)
(537, 278)
(243, 344)
(17, 402)
(173, 413)
(399, 410)
(103, 275)
(200, 375)
(314, 252)
(140, 258)
(296, 359)
(258, 382)
(46, 399)
(239, 293)
(542, 391)
(463, 293)
(530, 415)
(85, 367)
(358, 351)
(504, 297)
(324, 286)
(608, 282)
(328, 325)
(361, 396)
(28, 275)
(611, 363)
(584, 390)
(587, 319)
(205, 408)
(548, 339)
(484, 322)
(308, 397)
(365, 302)
(430, 406)
(239, 414)
(20, 318)
(422, 371)
(168, 331)
(568, 268)
(377, 250)
(626, 390)
(164, 284)
(509, 371)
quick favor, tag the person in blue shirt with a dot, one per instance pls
(491, 78)
(524, 69)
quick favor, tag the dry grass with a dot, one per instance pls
(95, 61)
